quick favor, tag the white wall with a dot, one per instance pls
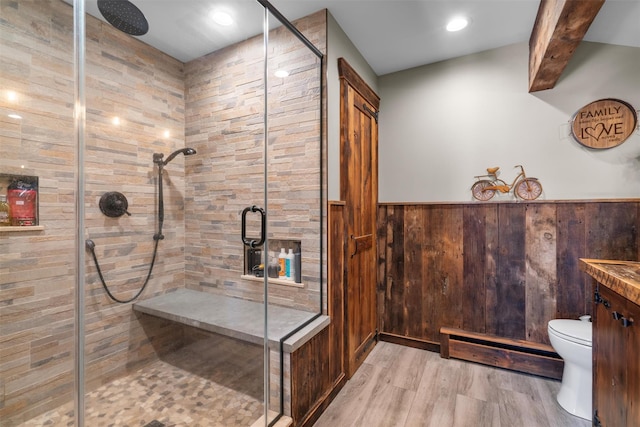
(442, 124)
(339, 46)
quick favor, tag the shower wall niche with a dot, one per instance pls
(19, 195)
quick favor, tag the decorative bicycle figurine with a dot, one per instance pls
(524, 187)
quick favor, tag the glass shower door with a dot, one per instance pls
(178, 133)
(294, 193)
(37, 239)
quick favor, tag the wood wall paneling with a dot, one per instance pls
(318, 368)
(335, 304)
(310, 374)
(442, 268)
(494, 269)
(479, 237)
(507, 309)
(501, 269)
(415, 322)
(572, 292)
(612, 230)
(540, 270)
(391, 267)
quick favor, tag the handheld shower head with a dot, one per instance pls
(157, 157)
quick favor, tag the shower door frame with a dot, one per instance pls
(270, 9)
(79, 46)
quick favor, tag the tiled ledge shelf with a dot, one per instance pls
(283, 282)
(22, 228)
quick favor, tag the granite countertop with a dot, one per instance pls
(622, 277)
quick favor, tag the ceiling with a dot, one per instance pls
(392, 35)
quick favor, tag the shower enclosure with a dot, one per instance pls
(189, 155)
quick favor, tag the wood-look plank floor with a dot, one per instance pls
(406, 387)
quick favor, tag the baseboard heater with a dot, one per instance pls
(515, 355)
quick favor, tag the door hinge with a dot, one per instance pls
(370, 111)
(596, 420)
(597, 298)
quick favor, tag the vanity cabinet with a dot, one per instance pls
(616, 359)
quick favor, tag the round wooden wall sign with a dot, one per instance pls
(605, 123)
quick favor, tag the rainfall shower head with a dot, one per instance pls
(157, 157)
(125, 16)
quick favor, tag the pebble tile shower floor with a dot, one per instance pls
(209, 383)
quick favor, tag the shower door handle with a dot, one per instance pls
(253, 243)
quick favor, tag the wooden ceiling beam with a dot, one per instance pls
(558, 30)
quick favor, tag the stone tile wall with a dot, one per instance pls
(224, 122)
(37, 268)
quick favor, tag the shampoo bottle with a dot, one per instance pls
(291, 265)
(297, 266)
(282, 258)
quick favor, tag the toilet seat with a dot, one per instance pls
(576, 331)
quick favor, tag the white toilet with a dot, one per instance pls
(571, 339)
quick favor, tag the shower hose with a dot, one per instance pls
(91, 246)
(157, 159)
(156, 237)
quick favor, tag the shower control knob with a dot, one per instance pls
(114, 204)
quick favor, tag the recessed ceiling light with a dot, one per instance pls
(281, 73)
(15, 116)
(457, 24)
(221, 18)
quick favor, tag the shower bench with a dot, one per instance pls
(234, 317)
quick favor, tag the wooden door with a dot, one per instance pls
(359, 190)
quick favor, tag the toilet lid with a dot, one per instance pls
(572, 330)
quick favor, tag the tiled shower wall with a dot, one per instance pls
(224, 122)
(145, 90)
(37, 268)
